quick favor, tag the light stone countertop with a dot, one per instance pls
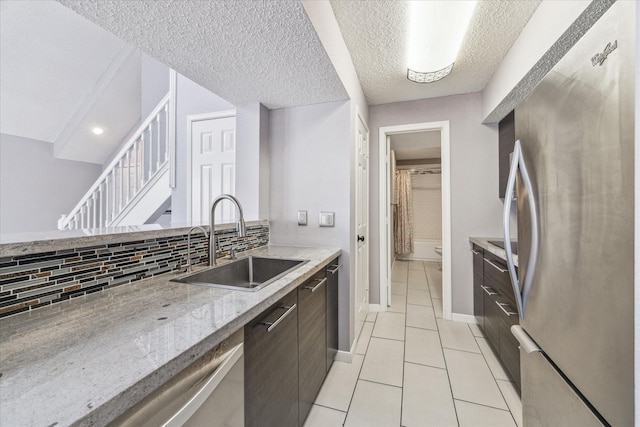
(86, 361)
(483, 242)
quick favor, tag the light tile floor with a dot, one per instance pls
(413, 368)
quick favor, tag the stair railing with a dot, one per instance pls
(143, 156)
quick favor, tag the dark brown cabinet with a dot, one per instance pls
(312, 341)
(332, 310)
(495, 307)
(506, 142)
(271, 366)
(287, 352)
(478, 293)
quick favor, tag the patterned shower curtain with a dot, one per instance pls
(403, 231)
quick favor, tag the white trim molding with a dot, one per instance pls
(466, 318)
(385, 273)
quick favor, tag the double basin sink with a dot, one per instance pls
(246, 274)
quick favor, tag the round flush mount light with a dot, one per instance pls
(97, 131)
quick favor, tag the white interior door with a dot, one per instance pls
(362, 226)
(213, 168)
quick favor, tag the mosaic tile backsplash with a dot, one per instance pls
(31, 281)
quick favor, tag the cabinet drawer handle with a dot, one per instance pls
(502, 307)
(475, 252)
(314, 288)
(502, 270)
(337, 267)
(271, 326)
(488, 290)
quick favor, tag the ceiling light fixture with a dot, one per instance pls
(97, 131)
(436, 31)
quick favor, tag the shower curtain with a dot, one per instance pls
(403, 227)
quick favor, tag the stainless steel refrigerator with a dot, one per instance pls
(573, 170)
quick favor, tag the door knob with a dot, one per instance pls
(360, 238)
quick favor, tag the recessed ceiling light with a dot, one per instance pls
(435, 33)
(97, 131)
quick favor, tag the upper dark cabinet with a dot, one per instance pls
(506, 141)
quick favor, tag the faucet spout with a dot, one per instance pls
(240, 226)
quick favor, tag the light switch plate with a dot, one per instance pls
(327, 219)
(302, 217)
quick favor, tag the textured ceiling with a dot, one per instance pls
(375, 34)
(242, 50)
(50, 61)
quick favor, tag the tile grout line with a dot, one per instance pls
(453, 399)
(360, 370)
(404, 350)
(486, 406)
(494, 377)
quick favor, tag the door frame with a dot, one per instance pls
(192, 118)
(366, 286)
(384, 198)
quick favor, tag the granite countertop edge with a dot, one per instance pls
(483, 242)
(119, 398)
(73, 239)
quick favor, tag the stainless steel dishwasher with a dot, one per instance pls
(210, 392)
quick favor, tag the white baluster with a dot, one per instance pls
(166, 132)
(101, 211)
(150, 151)
(82, 215)
(121, 198)
(158, 151)
(94, 207)
(127, 162)
(136, 175)
(113, 194)
(143, 161)
(107, 202)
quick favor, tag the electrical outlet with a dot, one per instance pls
(302, 217)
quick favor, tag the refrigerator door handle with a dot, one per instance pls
(518, 162)
(526, 343)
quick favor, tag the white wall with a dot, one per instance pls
(36, 188)
(191, 99)
(475, 208)
(252, 160)
(154, 83)
(324, 21)
(310, 170)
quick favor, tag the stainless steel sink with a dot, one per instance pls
(246, 274)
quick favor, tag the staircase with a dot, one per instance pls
(136, 183)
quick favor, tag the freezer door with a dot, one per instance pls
(577, 134)
(547, 399)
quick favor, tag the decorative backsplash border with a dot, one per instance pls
(31, 281)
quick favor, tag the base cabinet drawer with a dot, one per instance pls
(271, 366)
(495, 308)
(312, 344)
(492, 322)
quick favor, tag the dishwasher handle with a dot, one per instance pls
(210, 385)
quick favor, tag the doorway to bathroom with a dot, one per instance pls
(415, 203)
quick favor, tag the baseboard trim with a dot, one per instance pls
(346, 356)
(375, 308)
(466, 318)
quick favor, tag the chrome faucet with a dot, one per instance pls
(206, 235)
(240, 227)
